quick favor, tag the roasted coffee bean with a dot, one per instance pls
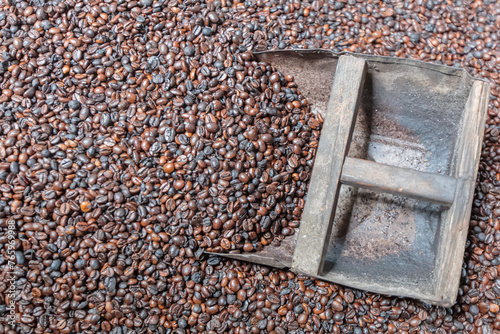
(74, 104)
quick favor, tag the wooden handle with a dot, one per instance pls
(322, 196)
(406, 182)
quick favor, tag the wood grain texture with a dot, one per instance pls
(469, 150)
(431, 187)
(319, 211)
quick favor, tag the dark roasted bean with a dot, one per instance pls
(135, 135)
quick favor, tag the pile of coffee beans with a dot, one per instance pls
(134, 135)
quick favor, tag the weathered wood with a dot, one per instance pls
(394, 180)
(319, 211)
(453, 236)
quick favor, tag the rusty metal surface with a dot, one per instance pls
(411, 116)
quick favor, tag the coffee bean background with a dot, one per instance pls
(134, 135)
